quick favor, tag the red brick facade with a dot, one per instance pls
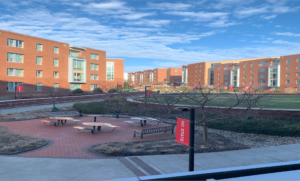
(30, 65)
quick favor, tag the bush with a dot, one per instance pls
(98, 90)
(259, 90)
(77, 91)
(277, 90)
(280, 126)
(236, 90)
(112, 90)
(223, 90)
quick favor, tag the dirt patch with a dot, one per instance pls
(11, 143)
(216, 143)
(36, 114)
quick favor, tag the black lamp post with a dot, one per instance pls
(191, 136)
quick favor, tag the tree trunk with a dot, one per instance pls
(204, 128)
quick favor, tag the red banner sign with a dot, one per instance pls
(131, 84)
(247, 87)
(225, 87)
(120, 86)
(172, 84)
(182, 131)
(163, 85)
(148, 93)
(19, 88)
(139, 83)
(194, 86)
(152, 86)
(231, 87)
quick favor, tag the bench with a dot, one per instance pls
(154, 130)
(117, 113)
(82, 129)
(47, 122)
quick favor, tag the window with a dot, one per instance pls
(251, 83)
(287, 82)
(74, 86)
(74, 54)
(11, 86)
(261, 76)
(175, 73)
(14, 57)
(226, 67)
(225, 78)
(226, 73)
(298, 66)
(39, 47)
(225, 83)
(176, 70)
(252, 64)
(94, 77)
(288, 74)
(245, 76)
(55, 86)
(218, 73)
(298, 88)
(78, 65)
(15, 72)
(262, 63)
(251, 76)
(93, 86)
(245, 65)
(94, 56)
(39, 87)
(55, 74)
(94, 66)
(15, 43)
(109, 70)
(39, 60)
(288, 60)
(55, 50)
(287, 67)
(78, 77)
(298, 59)
(261, 82)
(55, 62)
(298, 74)
(38, 73)
(244, 83)
(298, 81)
(262, 70)
(252, 71)
(245, 71)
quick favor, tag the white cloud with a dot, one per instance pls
(169, 6)
(223, 22)
(245, 12)
(257, 25)
(268, 17)
(147, 22)
(199, 16)
(288, 34)
(278, 26)
(167, 64)
(135, 16)
(108, 5)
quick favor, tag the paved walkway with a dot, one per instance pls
(32, 108)
(20, 168)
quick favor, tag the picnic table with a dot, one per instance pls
(94, 124)
(93, 115)
(63, 120)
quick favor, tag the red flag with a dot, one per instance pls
(182, 131)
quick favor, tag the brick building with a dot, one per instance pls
(42, 65)
(174, 75)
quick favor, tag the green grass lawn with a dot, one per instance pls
(269, 101)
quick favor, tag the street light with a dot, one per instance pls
(191, 135)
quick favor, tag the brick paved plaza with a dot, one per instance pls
(69, 143)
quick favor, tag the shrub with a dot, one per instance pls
(98, 90)
(236, 90)
(277, 90)
(112, 90)
(223, 90)
(259, 90)
(78, 91)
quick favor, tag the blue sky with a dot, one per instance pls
(158, 33)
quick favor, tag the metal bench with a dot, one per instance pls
(47, 122)
(154, 130)
(82, 129)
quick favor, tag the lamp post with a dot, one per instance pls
(191, 136)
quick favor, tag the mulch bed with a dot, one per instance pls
(11, 143)
(216, 143)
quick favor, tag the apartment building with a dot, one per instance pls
(174, 76)
(147, 77)
(42, 65)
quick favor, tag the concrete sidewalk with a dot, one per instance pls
(32, 108)
(21, 168)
